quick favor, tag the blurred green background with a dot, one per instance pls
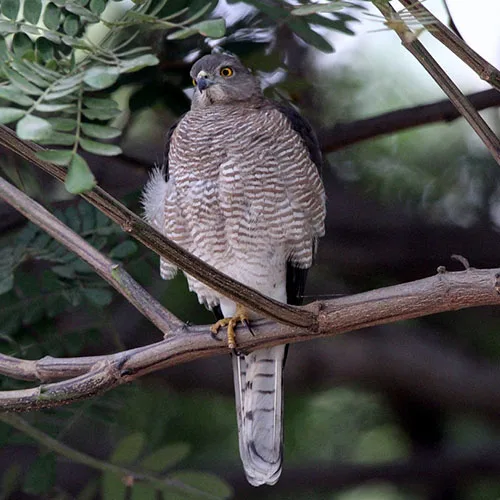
(400, 412)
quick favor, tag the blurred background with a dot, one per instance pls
(400, 412)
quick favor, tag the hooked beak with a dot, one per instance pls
(203, 82)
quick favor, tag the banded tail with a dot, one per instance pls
(258, 384)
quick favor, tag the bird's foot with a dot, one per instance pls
(240, 316)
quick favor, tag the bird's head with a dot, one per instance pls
(222, 79)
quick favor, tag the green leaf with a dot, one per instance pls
(305, 10)
(13, 95)
(71, 25)
(128, 449)
(21, 43)
(6, 283)
(302, 29)
(32, 10)
(57, 156)
(100, 148)
(10, 8)
(64, 271)
(142, 491)
(112, 487)
(98, 296)
(21, 83)
(138, 63)
(31, 73)
(63, 124)
(165, 458)
(58, 139)
(100, 103)
(33, 128)
(52, 16)
(203, 481)
(101, 114)
(44, 49)
(52, 108)
(79, 177)
(81, 12)
(97, 6)
(8, 115)
(41, 475)
(123, 249)
(75, 42)
(212, 28)
(101, 77)
(100, 131)
(57, 94)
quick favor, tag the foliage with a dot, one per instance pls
(65, 281)
(58, 75)
(51, 70)
(72, 74)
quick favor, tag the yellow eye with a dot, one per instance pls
(194, 82)
(226, 71)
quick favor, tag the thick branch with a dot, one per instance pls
(344, 134)
(160, 244)
(443, 292)
(413, 45)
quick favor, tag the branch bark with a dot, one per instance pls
(92, 375)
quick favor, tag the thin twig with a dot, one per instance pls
(160, 244)
(438, 30)
(113, 273)
(76, 456)
(413, 45)
(442, 292)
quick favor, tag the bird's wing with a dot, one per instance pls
(296, 276)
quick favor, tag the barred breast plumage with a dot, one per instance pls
(245, 195)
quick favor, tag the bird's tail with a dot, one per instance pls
(258, 384)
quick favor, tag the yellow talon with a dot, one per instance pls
(240, 316)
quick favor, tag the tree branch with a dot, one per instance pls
(344, 134)
(442, 292)
(452, 41)
(413, 45)
(160, 244)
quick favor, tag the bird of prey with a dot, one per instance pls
(240, 188)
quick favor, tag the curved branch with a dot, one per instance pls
(442, 292)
